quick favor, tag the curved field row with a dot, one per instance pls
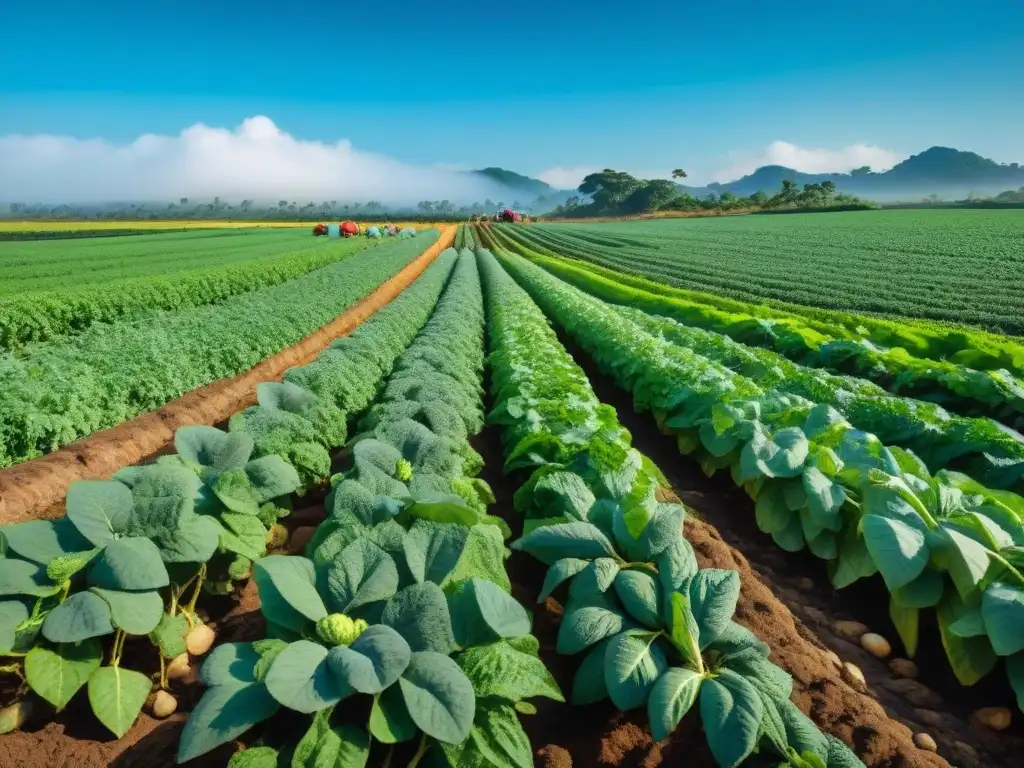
(408, 502)
(920, 337)
(53, 394)
(131, 276)
(993, 394)
(840, 261)
(34, 488)
(821, 485)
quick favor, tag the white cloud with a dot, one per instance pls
(810, 160)
(255, 160)
(567, 177)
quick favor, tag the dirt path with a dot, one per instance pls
(37, 488)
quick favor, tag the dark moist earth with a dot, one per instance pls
(782, 598)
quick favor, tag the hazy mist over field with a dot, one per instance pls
(256, 160)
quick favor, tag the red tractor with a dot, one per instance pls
(349, 229)
(508, 215)
(320, 230)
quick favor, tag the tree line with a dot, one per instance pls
(616, 193)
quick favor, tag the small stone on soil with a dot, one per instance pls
(925, 742)
(162, 705)
(853, 675)
(996, 718)
(805, 583)
(852, 630)
(903, 668)
(834, 658)
(876, 645)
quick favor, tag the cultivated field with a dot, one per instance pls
(506, 505)
(960, 266)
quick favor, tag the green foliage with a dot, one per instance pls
(656, 631)
(818, 482)
(57, 393)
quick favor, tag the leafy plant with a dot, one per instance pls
(396, 616)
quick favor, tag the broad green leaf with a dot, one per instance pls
(439, 696)
(498, 669)
(270, 477)
(210, 447)
(965, 559)
(432, 550)
(268, 650)
(12, 613)
(854, 561)
(781, 455)
(390, 722)
(224, 713)
(169, 635)
(131, 564)
(419, 613)
(243, 534)
(41, 541)
(564, 493)
(324, 746)
(230, 664)
(970, 657)
(287, 591)
(771, 511)
(576, 539)
(898, 549)
(58, 675)
(923, 592)
(447, 509)
(593, 581)
(801, 732)
(1015, 671)
(640, 596)
(497, 739)
(137, 613)
(78, 618)
(588, 685)
(481, 612)
(970, 624)
(676, 564)
(1002, 607)
(664, 528)
(682, 625)
(633, 662)
(558, 573)
(236, 492)
(301, 679)
(195, 541)
(284, 396)
(584, 626)
(100, 509)
(730, 710)
(713, 596)
(907, 622)
(671, 697)
(362, 574)
(483, 556)
(117, 695)
(373, 662)
(20, 577)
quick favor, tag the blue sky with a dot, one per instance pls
(531, 86)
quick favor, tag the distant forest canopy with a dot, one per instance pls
(616, 193)
(285, 210)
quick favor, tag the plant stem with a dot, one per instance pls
(163, 672)
(115, 652)
(191, 609)
(420, 752)
(388, 756)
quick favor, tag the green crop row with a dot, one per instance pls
(995, 394)
(133, 554)
(797, 330)
(44, 316)
(403, 600)
(942, 541)
(57, 393)
(657, 631)
(961, 267)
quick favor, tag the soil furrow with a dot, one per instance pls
(37, 488)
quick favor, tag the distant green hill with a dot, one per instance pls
(951, 174)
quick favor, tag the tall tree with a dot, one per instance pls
(678, 173)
